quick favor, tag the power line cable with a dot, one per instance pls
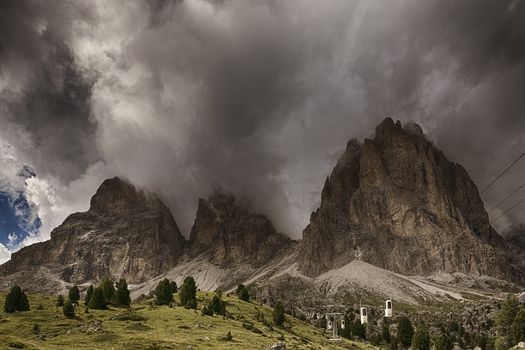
(506, 211)
(502, 173)
(506, 198)
(469, 227)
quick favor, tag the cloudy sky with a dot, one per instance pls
(254, 97)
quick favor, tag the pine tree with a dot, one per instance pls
(358, 330)
(242, 292)
(97, 300)
(89, 293)
(122, 293)
(173, 286)
(217, 305)
(393, 343)
(443, 342)
(518, 326)
(163, 294)
(188, 293)
(68, 309)
(16, 300)
(386, 334)
(405, 331)
(421, 339)
(206, 311)
(278, 314)
(74, 294)
(108, 289)
(60, 300)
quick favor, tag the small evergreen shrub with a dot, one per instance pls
(278, 314)
(74, 294)
(68, 309)
(89, 293)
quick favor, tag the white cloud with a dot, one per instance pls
(5, 254)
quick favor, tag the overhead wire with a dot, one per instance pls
(506, 198)
(508, 210)
(502, 173)
(456, 237)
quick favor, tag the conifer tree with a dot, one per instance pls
(163, 294)
(108, 289)
(405, 331)
(217, 305)
(122, 293)
(188, 293)
(174, 287)
(89, 293)
(443, 342)
(97, 300)
(421, 338)
(60, 300)
(16, 300)
(242, 292)
(68, 309)
(518, 326)
(74, 294)
(278, 314)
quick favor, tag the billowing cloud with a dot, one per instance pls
(257, 98)
(5, 254)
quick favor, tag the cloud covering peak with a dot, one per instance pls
(256, 98)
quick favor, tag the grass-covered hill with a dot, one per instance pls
(144, 326)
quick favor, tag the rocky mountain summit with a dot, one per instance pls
(397, 202)
(228, 233)
(393, 201)
(125, 233)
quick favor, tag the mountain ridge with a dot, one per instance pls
(390, 201)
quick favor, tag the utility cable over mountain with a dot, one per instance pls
(507, 198)
(502, 173)
(508, 210)
(456, 237)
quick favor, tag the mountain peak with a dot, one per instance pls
(391, 200)
(116, 194)
(228, 232)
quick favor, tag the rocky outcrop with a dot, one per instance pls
(228, 233)
(125, 233)
(396, 201)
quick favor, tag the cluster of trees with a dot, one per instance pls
(96, 298)
(16, 300)
(510, 321)
(164, 292)
(215, 306)
(187, 292)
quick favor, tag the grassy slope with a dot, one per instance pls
(169, 328)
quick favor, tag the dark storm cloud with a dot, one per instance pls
(259, 98)
(46, 96)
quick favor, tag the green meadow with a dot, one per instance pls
(144, 326)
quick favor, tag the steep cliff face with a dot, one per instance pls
(126, 233)
(394, 201)
(228, 233)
